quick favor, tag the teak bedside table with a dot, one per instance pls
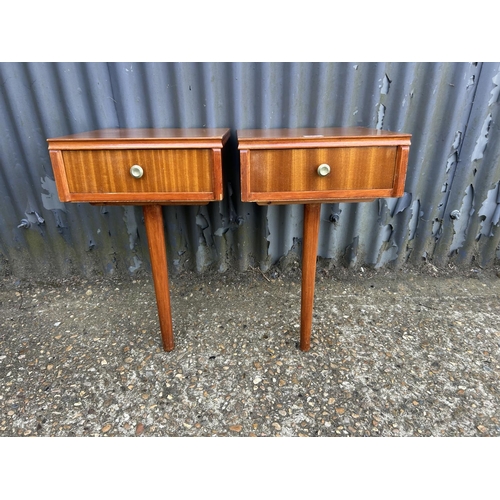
(149, 167)
(314, 166)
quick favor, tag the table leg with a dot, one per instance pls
(153, 219)
(309, 253)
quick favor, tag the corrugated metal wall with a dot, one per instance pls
(450, 211)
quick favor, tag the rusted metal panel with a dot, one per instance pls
(451, 110)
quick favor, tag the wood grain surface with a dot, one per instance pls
(165, 170)
(153, 220)
(279, 165)
(143, 138)
(319, 138)
(296, 169)
(180, 165)
(309, 252)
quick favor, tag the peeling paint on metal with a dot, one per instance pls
(415, 217)
(388, 247)
(386, 84)
(451, 162)
(482, 140)
(129, 217)
(178, 242)
(437, 228)
(456, 142)
(205, 248)
(135, 266)
(489, 213)
(402, 204)
(451, 110)
(50, 200)
(32, 219)
(131, 225)
(461, 224)
(351, 252)
(495, 93)
(380, 117)
(471, 81)
(284, 225)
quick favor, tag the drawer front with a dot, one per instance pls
(295, 170)
(104, 175)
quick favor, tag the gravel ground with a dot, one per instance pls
(394, 353)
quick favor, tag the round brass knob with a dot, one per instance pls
(136, 171)
(323, 169)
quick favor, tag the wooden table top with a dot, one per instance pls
(142, 137)
(316, 137)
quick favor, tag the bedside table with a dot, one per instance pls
(148, 167)
(321, 165)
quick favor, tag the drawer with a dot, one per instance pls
(164, 171)
(176, 166)
(296, 169)
(284, 168)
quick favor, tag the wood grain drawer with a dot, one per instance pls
(277, 169)
(178, 167)
(165, 170)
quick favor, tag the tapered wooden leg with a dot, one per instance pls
(309, 253)
(153, 219)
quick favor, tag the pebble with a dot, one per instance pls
(217, 377)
